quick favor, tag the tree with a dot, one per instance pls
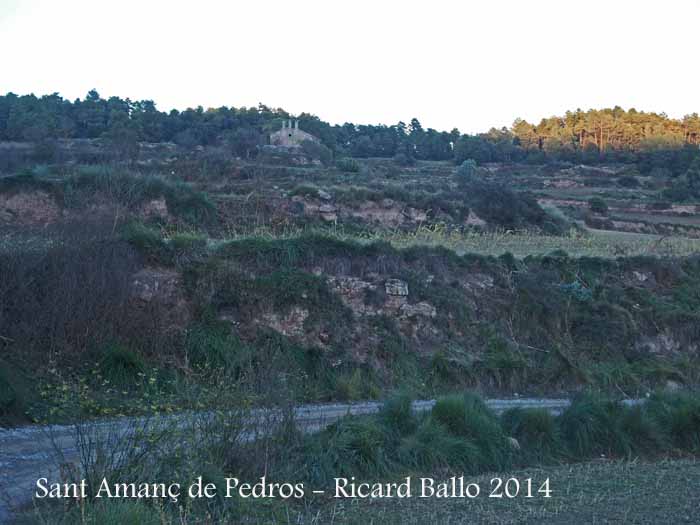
(466, 171)
(123, 136)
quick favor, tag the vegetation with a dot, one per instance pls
(598, 205)
(613, 134)
(136, 284)
(82, 186)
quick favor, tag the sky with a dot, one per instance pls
(467, 64)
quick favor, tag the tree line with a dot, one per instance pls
(608, 135)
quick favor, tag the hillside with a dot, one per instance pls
(156, 284)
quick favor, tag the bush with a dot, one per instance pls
(468, 417)
(131, 189)
(679, 414)
(466, 171)
(404, 160)
(647, 436)
(121, 365)
(148, 241)
(536, 431)
(316, 150)
(350, 447)
(397, 414)
(347, 165)
(591, 427)
(210, 346)
(501, 206)
(598, 205)
(356, 385)
(628, 181)
(433, 447)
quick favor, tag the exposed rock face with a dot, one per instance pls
(415, 215)
(642, 276)
(421, 309)
(328, 212)
(324, 195)
(477, 282)
(36, 208)
(154, 209)
(352, 291)
(562, 183)
(474, 220)
(661, 344)
(290, 324)
(396, 287)
(386, 213)
(162, 288)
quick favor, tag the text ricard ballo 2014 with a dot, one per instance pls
(409, 487)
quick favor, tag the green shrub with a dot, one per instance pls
(316, 150)
(397, 413)
(598, 205)
(536, 431)
(434, 447)
(504, 363)
(679, 415)
(350, 447)
(356, 385)
(147, 241)
(591, 427)
(131, 189)
(468, 417)
(404, 160)
(647, 436)
(211, 346)
(121, 365)
(347, 165)
(466, 171)
(188, 242)
(499, 205)
(628, 181)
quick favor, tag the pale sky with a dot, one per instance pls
(466, 64)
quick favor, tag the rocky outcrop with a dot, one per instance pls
(36, 208)
(328, 212)
(154, 209)
(353, 292)
(290, 324)
(659, 345)
(386, 213)
(474, 220)
(161, 290)
(396, 287)
(421, 309)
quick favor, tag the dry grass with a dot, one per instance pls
(590, 243)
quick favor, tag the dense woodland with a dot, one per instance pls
(609, 135)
